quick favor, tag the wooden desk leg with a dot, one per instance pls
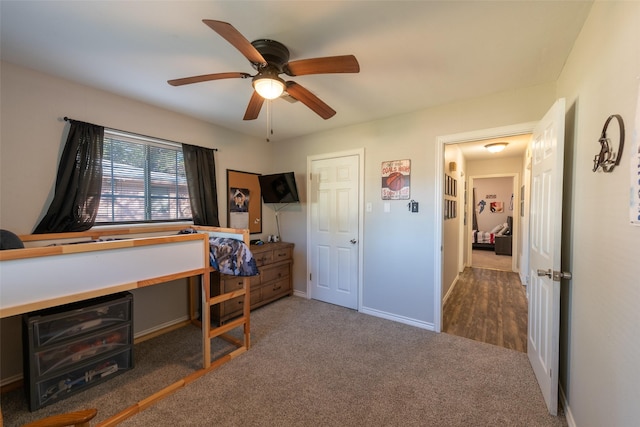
(205, 316)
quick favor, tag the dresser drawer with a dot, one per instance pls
(263, 257)
(233, 306)
(276, 272)
(276, 289)
(234, 283)
(282, 254)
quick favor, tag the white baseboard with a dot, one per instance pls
(453, 285)
(385, 315)
(11, 380)
(571, 422)
(160, 327)
(400, 319)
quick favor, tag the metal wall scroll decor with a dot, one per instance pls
(607, 158)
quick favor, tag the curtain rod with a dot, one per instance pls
(67, 119)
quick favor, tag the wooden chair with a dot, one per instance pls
(78, 419)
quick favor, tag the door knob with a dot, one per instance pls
(353, 241)
(547, 273)
(559, 275)
(556, 275)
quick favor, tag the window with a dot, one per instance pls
(143, 180)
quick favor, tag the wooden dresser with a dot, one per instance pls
(275, 281)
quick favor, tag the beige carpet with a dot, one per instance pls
(489, 259)
(316, 364)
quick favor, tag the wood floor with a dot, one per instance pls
(489, 306)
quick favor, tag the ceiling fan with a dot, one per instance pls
(270, 59)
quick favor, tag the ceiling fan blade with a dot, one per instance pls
(207, 77)
(253, 109)
(310, 100)
(237, 40)
(326, 65)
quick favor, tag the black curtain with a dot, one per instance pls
(77, 193)
(201, 179)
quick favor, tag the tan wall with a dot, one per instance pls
(599, 314)
(399, 253)
(32, 107)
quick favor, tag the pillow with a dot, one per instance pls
(497, 229)
(8, 240)
(506, 231)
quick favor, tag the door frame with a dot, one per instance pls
(441, 141)
(356, 152)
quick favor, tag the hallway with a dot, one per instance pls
(489, 306)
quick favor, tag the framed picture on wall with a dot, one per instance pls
(396, 179)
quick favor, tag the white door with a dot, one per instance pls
(333, 251)
(544, 255)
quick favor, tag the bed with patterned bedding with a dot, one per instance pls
(231, 256)
(486, 240)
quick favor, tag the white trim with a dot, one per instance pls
(137, 138)
(453, 285)
(456, 138)
(499, 132)
(300, 294)
(11, 380)
(571, 422)
(438, 235)
(160, 327)
(139, 225)
(400, 319)
(356, 152)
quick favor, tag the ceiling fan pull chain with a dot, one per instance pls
(269, 129)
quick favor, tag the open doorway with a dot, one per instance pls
(484, 298)
(492, 230)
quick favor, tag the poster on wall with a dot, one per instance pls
(244, 204)
(496, 207)
(634, 211)
(396, 180)
(239, 207)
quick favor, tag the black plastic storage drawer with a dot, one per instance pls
(66, 354)
(75, 346)
(59, 323)
(80, 378)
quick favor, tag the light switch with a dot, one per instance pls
(369, 207)
(387, 207)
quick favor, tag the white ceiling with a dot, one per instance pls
(475, 150)
(413, 54)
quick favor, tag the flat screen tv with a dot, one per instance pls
(279, 188)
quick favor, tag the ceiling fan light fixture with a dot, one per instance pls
(496, 147)
(268, 86)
